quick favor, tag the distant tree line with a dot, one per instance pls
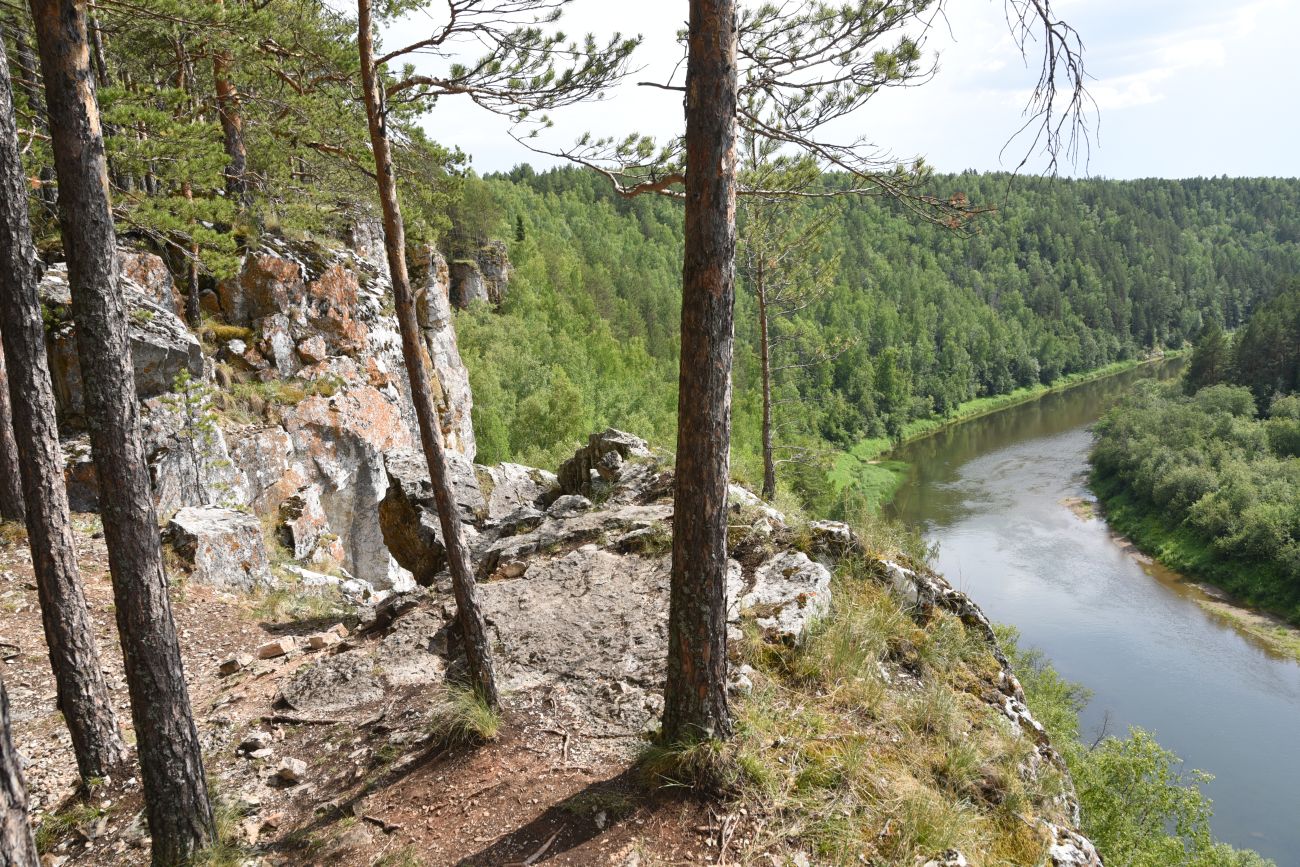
(1067, 276)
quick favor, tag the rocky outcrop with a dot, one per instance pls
(220, 547)
(454, 398)
(484, 277)
(613, 464)
(307, 348)
(150, 273)
(161, 344)
(789, 593)
(408, 515)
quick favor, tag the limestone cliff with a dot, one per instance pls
(294, 389)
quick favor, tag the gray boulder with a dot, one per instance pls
(221, 547)
(617, 464)
(789, 593)
(161, 345)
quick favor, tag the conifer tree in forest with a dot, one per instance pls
(782, 71)
(17, 846)
(177, 807)
(517, 77)
(781, 260)
(1211, 358)
(83, 696)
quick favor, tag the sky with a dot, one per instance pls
(1182, 88)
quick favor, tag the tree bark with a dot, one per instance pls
(765, 363)
(695, 698)
(17, 846)
(82, 692)
(418, 367)
(11, 482)
(232, 122)
(176, 797)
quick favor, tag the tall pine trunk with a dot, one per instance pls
(478, 652)
(765, 364)
(82, 692)
(11, 482)
(695, 698)
(176, 797)
(232, 122)
(17, 847)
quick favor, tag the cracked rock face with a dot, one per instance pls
(221, 547)
(161, 344)
(789, 593)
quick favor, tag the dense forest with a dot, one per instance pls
(1065, 277)
(1207, 476)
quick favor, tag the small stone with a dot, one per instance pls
(291, 770)
(323, 639)
(256, 740)
(339, 629)
(236, 663)
(279, 647)
(264, 753)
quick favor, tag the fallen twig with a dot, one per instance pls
(384, 825)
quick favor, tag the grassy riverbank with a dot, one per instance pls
(1180, 548)
(863, 471)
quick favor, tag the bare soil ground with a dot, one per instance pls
(378, 788)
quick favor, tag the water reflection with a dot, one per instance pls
(993, 493)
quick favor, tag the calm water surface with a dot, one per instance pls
(992, 493)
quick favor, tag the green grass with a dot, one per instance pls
(462, 717)
(841, 759)
(862, 469)
(58, 826)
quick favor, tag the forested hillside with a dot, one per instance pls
(1209, 480)
(1064, 276)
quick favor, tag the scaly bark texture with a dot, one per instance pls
(17, 847)
(478, 652)
(11, 482)
(695, 697)
(176, 797)
(82, 692)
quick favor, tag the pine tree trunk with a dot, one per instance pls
(232, 122)
(765, 360)
(83, 693)
(176, 797)
(474, 631)
(17, 847)
(11, 482)
(695, 698)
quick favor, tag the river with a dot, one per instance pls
(993, 492)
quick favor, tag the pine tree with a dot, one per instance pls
(17, 846)
(782, 72)
(517, 77)
(176, 798)
(83, 696)
(1211, 358)
(782, 259)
